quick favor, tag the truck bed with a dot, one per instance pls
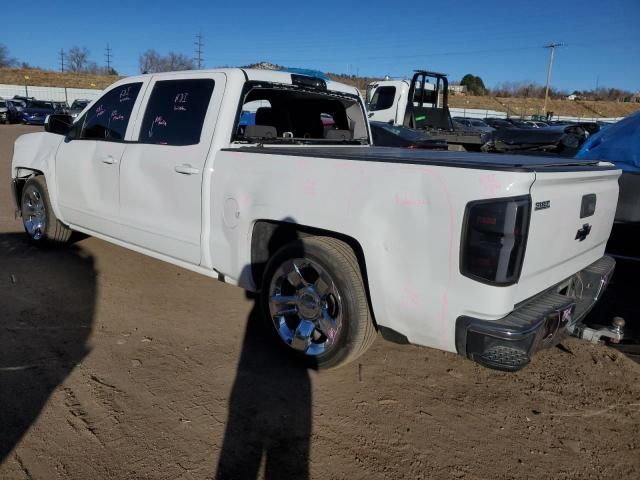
(478, 160)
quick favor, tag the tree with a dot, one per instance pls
(474, 84)
(5, 59)
(152, 62)
(78, 59)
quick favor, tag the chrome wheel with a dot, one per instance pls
(305, 306)
(34, 214)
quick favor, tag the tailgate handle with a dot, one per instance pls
(588, 206)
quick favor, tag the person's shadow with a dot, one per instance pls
(47, 299)
(269, 421)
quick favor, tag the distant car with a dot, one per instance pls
(498, 123)
(77, 106)
(388, 135)
(474, 123)
(8, 112)
(520, 123)
(18, 105)
(537, 124)
(36, 111)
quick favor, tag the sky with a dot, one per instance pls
(497, 40)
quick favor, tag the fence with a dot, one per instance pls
(60, 94)
(476, 113)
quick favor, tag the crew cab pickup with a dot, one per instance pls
(491, 256)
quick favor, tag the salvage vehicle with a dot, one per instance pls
(8, 112)
(388, 135)
(77, 106)
(428, 110)
(475, 123)
(36, 112)
(388, 102)
(491, 256)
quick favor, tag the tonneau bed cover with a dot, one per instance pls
(478, 160)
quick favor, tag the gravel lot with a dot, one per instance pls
(115, 365)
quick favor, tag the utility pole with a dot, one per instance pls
(61, 60)
(199, 44)
(551, 47)
(107, 56)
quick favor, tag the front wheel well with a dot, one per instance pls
(268, 236)
(22, 175)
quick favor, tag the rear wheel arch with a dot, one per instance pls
(268, 236)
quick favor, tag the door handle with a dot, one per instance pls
(186, 169)
(370, 114)
(109, 160)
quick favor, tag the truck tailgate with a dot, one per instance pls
(560, 242)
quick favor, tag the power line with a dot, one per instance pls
(61, 60)
(107, 56)
(551, 47)
(199, 44)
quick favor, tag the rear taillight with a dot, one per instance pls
(494, 238)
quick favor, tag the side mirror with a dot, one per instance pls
(59, 123)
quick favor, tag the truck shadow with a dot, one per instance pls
(47, 299)
(269, 422)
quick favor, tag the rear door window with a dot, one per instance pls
(175, 112)
(109, 116)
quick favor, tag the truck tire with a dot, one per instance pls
(314, 296)
(38, 219)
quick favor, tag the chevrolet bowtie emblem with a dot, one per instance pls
(583, 232)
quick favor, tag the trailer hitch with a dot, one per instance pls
(614, 333)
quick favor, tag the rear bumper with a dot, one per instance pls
(540, 322)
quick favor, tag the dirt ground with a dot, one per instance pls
(117, 366)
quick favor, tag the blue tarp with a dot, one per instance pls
(619, 143)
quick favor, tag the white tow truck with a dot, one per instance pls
(490, 256)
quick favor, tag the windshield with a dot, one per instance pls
(79, 104)
(39, 104)
(273, 113)
(382, 98)
(479, 123)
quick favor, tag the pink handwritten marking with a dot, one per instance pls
(409, 298)
(303, 163)
(490, 184)
(100, 110)
(444, 303)
(124, 94)
(407, 200)
(161, 122)
(310, 187)
(244, 200)
(116, 116)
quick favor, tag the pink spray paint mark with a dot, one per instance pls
(410, 298)
(310, 187)
(490, 184)
(408, 200)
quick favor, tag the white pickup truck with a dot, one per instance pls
(490, 256)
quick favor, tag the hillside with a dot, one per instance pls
(533, 106)
(48, 78)
(514, 106)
